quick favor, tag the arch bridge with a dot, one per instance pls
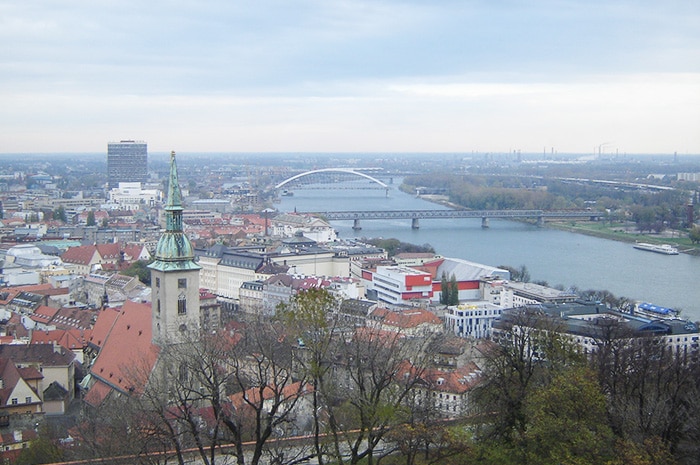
(333, 170)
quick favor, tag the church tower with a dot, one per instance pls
(174, 274)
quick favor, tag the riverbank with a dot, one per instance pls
(627, 233)
(617, 232)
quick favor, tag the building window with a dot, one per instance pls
(181, 306)
(182, 283)
(27, 400)
(157, 282)
(14, 401)
(158, 306)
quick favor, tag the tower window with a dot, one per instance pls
(158, 306)
(157, 282)
(181, 306)
(182, 283)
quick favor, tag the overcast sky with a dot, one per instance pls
(351, 76)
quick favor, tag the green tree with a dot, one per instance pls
(91, 218)
(139, 269)
(694, 234)
(444, 290)
(60, 214)
(454, 291)
(560, 429)
(530, 351)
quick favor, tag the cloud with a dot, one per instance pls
(312, 74)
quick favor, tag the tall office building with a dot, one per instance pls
(127, 161)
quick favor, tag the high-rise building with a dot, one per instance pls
(127, 161)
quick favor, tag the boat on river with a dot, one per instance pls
(665, 249)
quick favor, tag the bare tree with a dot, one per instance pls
(265, 393)
(650, 387)
(312, 320)
(367, 397)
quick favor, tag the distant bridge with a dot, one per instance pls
(333, 170)
(416, 215)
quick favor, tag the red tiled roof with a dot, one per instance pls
(71, 339)
(111, 251)
(289, 392)
(127, 356)
(10, 375)
(133, 251)
(44, 314)
(406, 319)
(30, 373)
(456, 381)
(81, 255)
(97, 394)
(103, 325)
(53, 291)
(13, 291)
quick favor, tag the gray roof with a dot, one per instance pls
(571, 316)
(242, 260)
(464, 270)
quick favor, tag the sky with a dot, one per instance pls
(570, 76)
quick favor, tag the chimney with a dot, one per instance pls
(18, 436)
(57, 349)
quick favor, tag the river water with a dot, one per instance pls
(557, 257)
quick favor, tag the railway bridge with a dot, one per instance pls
(416, 215)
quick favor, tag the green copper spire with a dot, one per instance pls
(174, 250)
(174, 201)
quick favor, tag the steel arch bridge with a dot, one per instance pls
(332, 170)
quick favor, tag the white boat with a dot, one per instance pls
(654, 312)
(665, 249)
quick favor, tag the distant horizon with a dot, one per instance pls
(331, 152)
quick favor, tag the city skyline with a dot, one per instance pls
(308, 76)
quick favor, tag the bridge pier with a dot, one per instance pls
(484, 223)
(540, 221)
(414, 223)
(356, 225)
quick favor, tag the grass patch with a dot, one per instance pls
(620, 232)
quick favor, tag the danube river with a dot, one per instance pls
(556, 257)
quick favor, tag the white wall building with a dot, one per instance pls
(287, 224)
(472, 319)
(131, 195)
(399, 284)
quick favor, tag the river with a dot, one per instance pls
(557, 257)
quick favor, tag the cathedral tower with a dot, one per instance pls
(174, 274)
